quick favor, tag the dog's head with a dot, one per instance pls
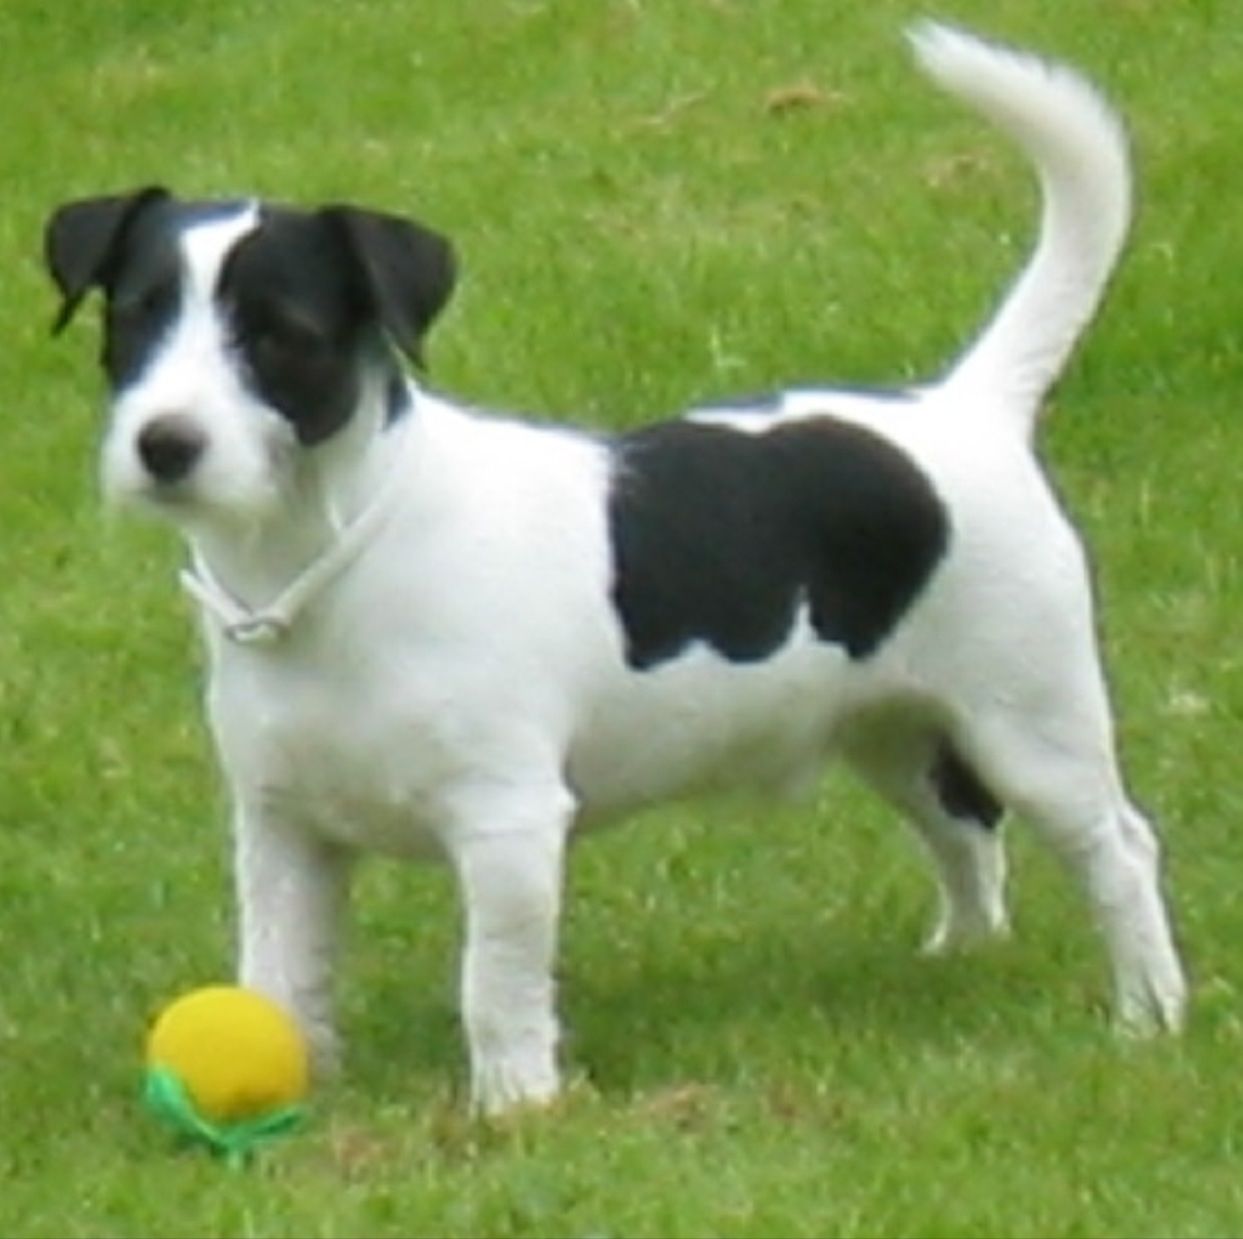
(238, 335)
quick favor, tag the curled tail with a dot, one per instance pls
(1079, 150)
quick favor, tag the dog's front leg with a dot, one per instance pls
(291, 888)
(511, 888)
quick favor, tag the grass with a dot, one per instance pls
(758, 1049)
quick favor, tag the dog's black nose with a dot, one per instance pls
(169, 445)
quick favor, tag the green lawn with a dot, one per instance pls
(655, 201)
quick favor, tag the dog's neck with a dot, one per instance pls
(328, 510)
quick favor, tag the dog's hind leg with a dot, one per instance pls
(957, 819)
(1049, 754)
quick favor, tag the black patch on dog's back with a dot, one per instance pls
(719, 535)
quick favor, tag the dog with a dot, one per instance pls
(434, 631)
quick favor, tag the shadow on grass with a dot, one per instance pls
(402, 1031)
(770, 998)
(651, 1001)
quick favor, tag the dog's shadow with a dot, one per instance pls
(668, 1013)
(678, 995)
(664, 1014)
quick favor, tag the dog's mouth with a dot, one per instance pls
(145, 494)
(175, 495)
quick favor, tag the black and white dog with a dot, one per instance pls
(434, 631)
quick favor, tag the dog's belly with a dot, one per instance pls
(703, 724)
(378, 763)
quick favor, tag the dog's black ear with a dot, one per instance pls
(81, 241)
(408, 269)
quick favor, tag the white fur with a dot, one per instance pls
(1078, 148)
(462, 687)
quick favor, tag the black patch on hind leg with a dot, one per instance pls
(720, 536)
(960, 790)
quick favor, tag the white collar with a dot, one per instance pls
(247, 625)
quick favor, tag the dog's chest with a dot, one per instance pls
(341, 755)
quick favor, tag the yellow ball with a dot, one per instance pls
(237, 1053)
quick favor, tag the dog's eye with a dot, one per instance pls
(286, 338)
(134, 308)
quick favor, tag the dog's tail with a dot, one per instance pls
(1079, 150)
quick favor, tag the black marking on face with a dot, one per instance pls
(140, 309)
(142, 284)
(719, 535)
(961, 792)
(309, 299)
(300, 320)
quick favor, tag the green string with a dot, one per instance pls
(170, 1100)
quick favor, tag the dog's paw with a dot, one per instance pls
(324, 1046)
(503, 1085)
(956, 935)
(1158, 1005)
